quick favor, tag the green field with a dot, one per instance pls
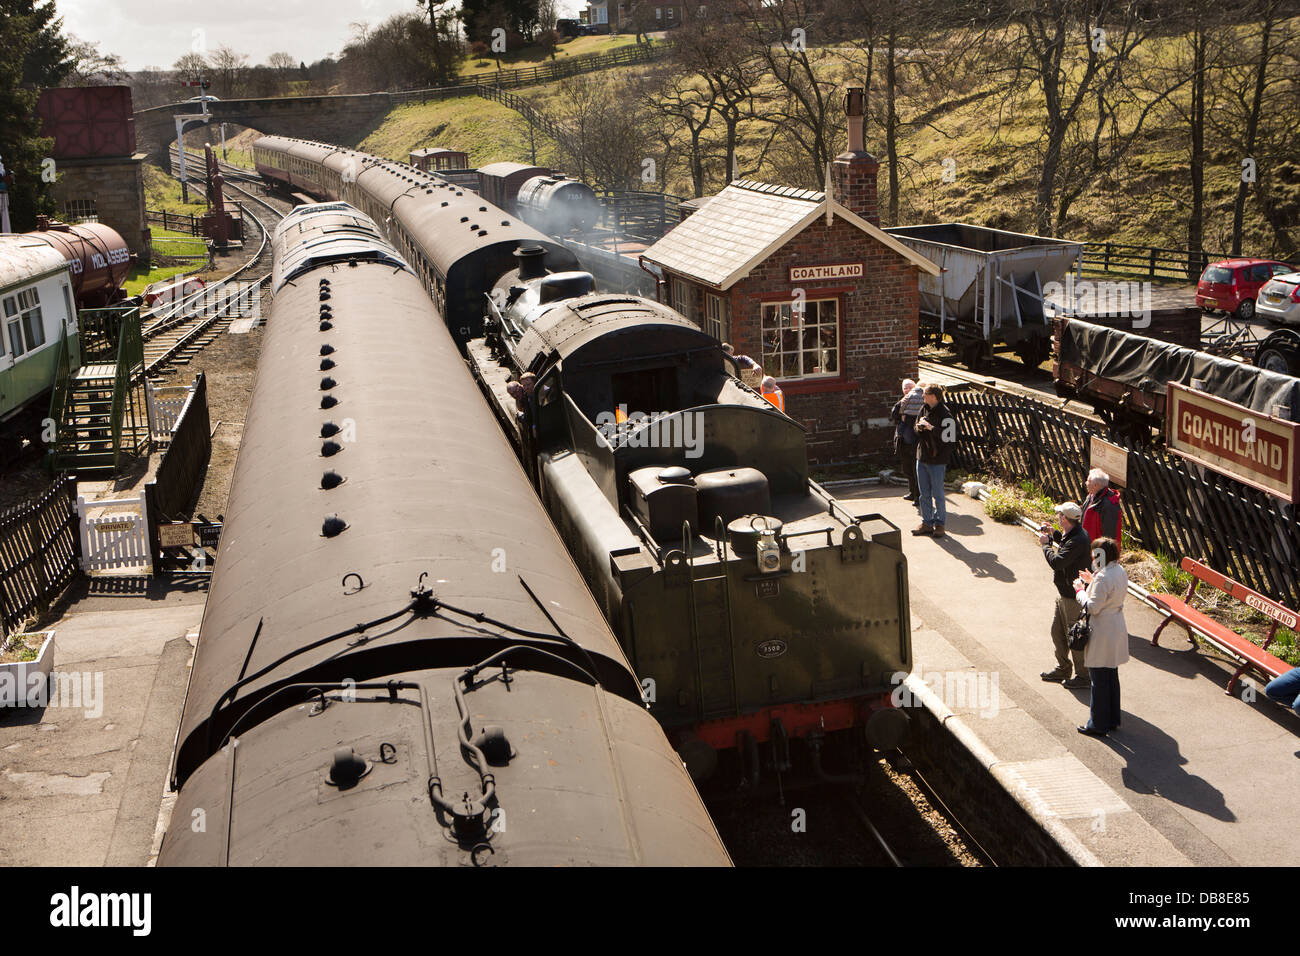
(486, 130)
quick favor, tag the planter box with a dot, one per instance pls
(19, 684)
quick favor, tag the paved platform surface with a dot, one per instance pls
(1193, 777)
(82, 779)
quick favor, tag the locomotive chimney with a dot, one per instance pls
(531, 262)
(853, 174)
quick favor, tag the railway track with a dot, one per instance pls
(174, 335)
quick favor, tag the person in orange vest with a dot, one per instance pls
(772, 393)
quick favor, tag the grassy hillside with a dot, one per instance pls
(486, 130)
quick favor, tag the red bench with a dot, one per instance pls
(1251, 654)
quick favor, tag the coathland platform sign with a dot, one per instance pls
(1256, 449)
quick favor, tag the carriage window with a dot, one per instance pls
(16, 338)
(801, 344)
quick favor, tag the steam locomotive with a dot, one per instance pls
(481, 712)
(756, 609)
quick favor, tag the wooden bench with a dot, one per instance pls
(1229, 641)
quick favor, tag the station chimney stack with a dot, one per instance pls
(854, 173)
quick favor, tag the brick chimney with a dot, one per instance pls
(853, 174)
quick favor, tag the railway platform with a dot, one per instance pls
(83, 778)
(1193, 778)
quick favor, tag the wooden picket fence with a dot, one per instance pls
(39, 551)
(1170, 505)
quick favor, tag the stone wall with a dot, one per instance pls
(116, 186)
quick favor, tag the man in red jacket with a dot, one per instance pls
(1102, 517)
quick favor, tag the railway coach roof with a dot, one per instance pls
(23, 259)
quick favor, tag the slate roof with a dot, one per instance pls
(744, 224)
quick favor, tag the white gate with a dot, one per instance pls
(165, 405)
(117, 537)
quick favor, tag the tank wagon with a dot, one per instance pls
(98, 259)
(398, 662)
(739, 658)
(558, 205)
(990, 291)
(756, 608)
(450, 236)
(36, 313)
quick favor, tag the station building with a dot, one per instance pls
(808, 285)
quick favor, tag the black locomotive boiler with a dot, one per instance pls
(398, 661)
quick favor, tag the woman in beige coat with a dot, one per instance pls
(1102, 594)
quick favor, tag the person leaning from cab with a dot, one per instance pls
(1101, 594)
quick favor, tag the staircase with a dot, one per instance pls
(86, 431)
(95, 405)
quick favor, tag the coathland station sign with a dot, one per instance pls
(1258, 450)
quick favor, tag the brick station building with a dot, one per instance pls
(808, 286)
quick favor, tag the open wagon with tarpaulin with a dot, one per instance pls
(1125, 377)
(990, 291)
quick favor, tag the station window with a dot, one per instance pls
(716, 320)
(683, 300)
(80, 210)
(670, 13)
(801, 343)
(659, 13)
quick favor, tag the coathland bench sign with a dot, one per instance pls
(1256, 449)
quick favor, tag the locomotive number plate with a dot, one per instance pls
(770, 649)
(768, 589)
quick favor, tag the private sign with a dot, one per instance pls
(846, 270)
(1252, 447)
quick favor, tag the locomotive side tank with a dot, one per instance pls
(754, 604)
(395, 623)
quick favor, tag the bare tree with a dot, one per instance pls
(90, 66)
(808, 113)
(229, 70)
(1074, 57)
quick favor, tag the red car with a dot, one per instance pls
(1231, 285)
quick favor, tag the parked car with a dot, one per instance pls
(1231, 285)
(1279, 300)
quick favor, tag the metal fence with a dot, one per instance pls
(175, 221)
(1170, 505)
(39, 549)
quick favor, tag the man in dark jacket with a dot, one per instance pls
(936, 436)
(1068, 552)
(904, 415)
